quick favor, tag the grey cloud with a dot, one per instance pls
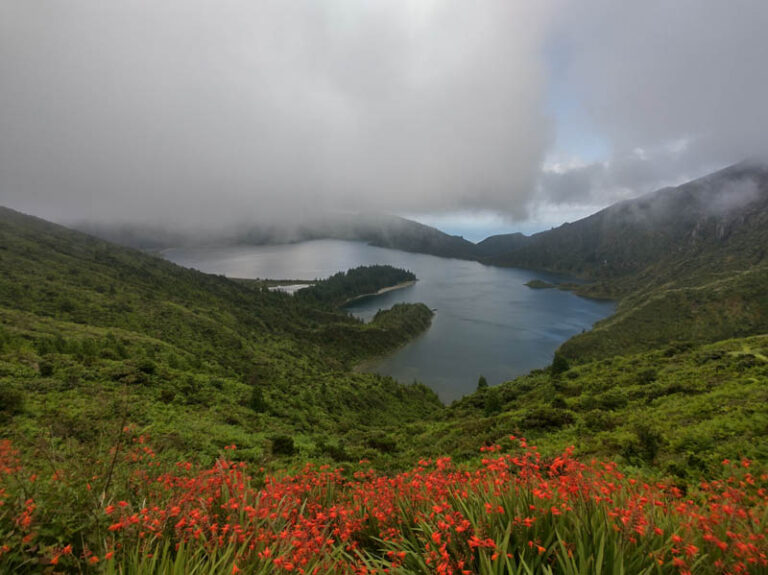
(192, 110)
(621, 177)
(221, 111)
(740, 193)
(575, 185)
(655, 72)
(677, 90)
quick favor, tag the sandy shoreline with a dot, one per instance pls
(381, 291)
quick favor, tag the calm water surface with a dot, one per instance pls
(487, 322)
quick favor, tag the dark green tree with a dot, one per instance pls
(559, 364)
(492, 402)
(283, 445)
(257, 402)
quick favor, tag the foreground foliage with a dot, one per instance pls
(515, 512)
(681, 409)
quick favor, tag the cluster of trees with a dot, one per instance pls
(345, 286)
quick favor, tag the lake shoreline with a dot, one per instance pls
(488, 322)
(401, 285)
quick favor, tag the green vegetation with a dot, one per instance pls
(357, 282)
(539, 284)
(706, 227)
(708, 312)
(515, 514)
(681, 409)
(102, 346)
(92, 334)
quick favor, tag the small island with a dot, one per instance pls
(540, 284)
(344, 287)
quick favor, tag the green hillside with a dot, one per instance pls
(92, 333)
(687, 264)
(721, 217)
(716, 310)
(148, 414)
(680, 409)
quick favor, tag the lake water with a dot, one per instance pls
(487, 322)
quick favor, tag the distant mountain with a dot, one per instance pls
(501, 244)
(387, 231)
(689, 264)
(718, 220)
(381, 230)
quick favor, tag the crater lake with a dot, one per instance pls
(487, 322)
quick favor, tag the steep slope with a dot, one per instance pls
(720, 219)
(680, 408)
(495, 246)
(688, 264)
(91, 333)
(734, 306)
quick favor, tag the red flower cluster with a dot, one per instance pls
(513, 508)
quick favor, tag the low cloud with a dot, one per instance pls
(229, 111)
(201, 110)
(621, 177)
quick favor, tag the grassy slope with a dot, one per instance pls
(708, 312)
(682, 408)
(687, 263)
(92, 333)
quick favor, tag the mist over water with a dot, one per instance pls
(486, 322)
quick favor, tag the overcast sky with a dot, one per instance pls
(473, 115)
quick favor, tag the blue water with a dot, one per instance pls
(487, 322)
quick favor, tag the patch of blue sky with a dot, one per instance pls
(576, 136)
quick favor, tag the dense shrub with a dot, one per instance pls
(283, 445)
(558, 402)
(336, 452)
(646, 376)
(599, 420)
(644, 446)
(256, 400)
(614, 398)
(383, 443)
(46, 368)
(559, 364)
(11, 401)
(547, 418)
(492, 402)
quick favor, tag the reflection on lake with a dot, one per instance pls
(487, 322)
